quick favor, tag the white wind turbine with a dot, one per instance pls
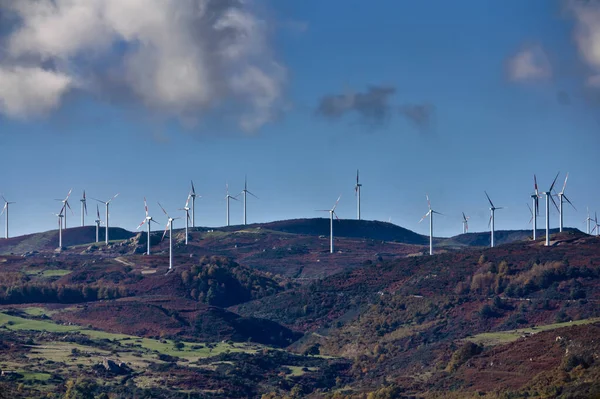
(98, 221)
(5, 211)
(548, 195)
(465, 223)
(147, 219)
(83, 209)
(193, 196)
(536, 207)
(60, 225)
(588, 220)
(66, 205)
(227, 197)
(170, 229)
(562, 196)
(186, 209)
(331, 213)
(357, 191)
(491, 222)
(430, 213)
(245, 192)
(106, 204)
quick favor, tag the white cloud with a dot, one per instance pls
(529, 64)
(176, 57)
(27, 92)
(587, 36)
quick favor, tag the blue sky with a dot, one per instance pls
(487, 131)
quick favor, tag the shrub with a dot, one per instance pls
(462, 354)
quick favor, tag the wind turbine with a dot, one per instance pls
(148, 219)
(60, 217)
(536, 207)
(227, 197)
(596, 225)
(331, 213)
(106, 221)
(357, 191)
(193, 196)
(430, 213)
(465, 223)
(65, 206)
(97, 221)
(562, 195)
(170, 228)
(491, 222)
(83, 209)
(245, 191)
(187, 216)
(548, 195)
(5, 210)
(588, 220)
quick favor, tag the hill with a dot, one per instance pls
(48, 241)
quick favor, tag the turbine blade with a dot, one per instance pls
(163, 209)
(102, 202)
(535, 184)
(115, 196)
(423, 218)
(166, 229)
(488, 197)
(69, 194)
(464, 217)
(554, 202)
(188, 199)
(146, 206)
(97, 212)
(554, 182)
(193, 189)
(252, 194)
(490, 222)
(428, 202)
(336, 202)
(141, 224)
(565, 185)
(565, 197)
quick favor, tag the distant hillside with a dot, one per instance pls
(48, 240)
(369, 229)
(482, 239)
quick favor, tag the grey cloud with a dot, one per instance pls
(420, 115)
(372, 106)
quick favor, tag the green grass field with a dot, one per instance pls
(166, 347)
(504, 337)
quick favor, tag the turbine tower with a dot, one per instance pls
(60, 217)
(170, 228)
(193, 196)
(331, 213)
(245, 191)
(65, 206)
(148, 219)
(83, 209)
(429, 213)
(5, 210)
(227, 197)
(187, 216)
(106, 204)
(97, 221)
(536, 207)
(491, 222)
(562, 196)
(548, 195)
(357, 191)
(465, 223)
